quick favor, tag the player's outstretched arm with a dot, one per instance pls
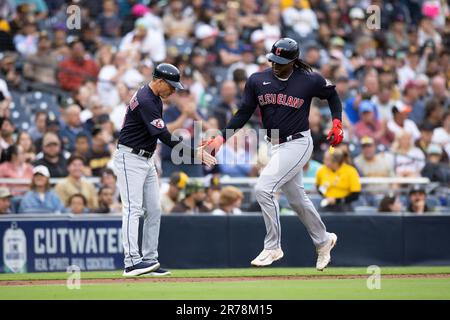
(206, 158)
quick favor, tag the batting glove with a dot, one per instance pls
(336, 134)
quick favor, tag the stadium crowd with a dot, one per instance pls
(64, 91)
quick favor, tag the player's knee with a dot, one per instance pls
(135, 210)
(262, 193)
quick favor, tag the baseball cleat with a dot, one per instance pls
(267, 257)
(160, 272)
(140, 269)
(324, 257)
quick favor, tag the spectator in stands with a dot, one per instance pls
(26, 41)
(271, 26)
(108, 179)
(52, 156)
(411, 98)
(99, 155)
(109, 20)
(230, 201)
(373, 164)
(230, 51)
(6, 133)
(338, 183)
(192, 203)
(176, 23)
(434, 112)
(75, 183)
(38, 128)
(72, 127)
(213, 189)
(82, 146)
(52, 124)
(417, 200)
(16, 167)
(206, 37)
(106, 202)
(77, 204)
(8, 70)
(435, 168)
(41, 66)
(301, 19)
(400, 121)
(76, 69)
(228, 104)
(426, 134)
(177, 183)
(369, 125)
(390, 203)
(41, 198)
(441, 135)
(24, 140)
(95, 113)
(408, 160)
(146, 40)
(439, 90)
(237, 158)
(5, 200)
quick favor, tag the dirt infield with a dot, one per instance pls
(212, 279)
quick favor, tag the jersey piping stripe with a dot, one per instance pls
(129, 210)
(276, 211)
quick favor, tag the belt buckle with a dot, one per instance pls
(289, 138)
(141, 152)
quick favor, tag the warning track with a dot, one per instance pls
(147, 279)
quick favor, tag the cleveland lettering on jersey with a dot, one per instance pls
(280, 100)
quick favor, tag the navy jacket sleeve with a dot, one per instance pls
(152, 118)
(246, 109)
(324, 89)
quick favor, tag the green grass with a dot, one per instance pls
(407, 288)
(244, 272)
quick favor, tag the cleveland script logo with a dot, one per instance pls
(159, 123)
(280, 100)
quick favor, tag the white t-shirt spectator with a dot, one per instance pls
(442, 138)
(412, 162)
(153, 45)
(107, 90)
(409, 126)
(302, 21)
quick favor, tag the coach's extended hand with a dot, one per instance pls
(205, 156)
(212, 145)
(336, 133)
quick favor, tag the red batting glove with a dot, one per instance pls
(213, 144)
(336, 133)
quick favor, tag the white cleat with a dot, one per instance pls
(267, 257)
(323, 253)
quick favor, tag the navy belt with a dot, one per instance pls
(139, 152)
(297, 135)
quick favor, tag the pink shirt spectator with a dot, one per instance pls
(9, 170)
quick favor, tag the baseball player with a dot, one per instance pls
(136, 172)
(283, 94)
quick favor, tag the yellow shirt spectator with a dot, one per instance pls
(338, 184)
